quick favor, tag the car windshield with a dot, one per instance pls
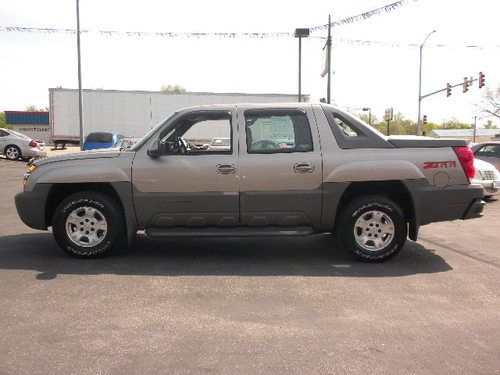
(100, 137)
(144, 139)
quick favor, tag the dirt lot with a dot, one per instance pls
(244, 306)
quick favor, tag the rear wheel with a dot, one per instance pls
(88, 224)
(12, 152)
(373, 228)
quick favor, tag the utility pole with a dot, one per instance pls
(474, 130)
(329, 60)
(80, 92)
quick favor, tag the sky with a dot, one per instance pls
(377, 76)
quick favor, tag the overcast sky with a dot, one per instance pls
(369, 75)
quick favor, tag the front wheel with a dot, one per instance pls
(88, 224)
(373, 228)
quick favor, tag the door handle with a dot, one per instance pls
(226, 168)
(303, 168)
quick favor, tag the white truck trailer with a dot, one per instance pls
(131, 113)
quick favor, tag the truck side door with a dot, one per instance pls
(194, 183)
(280, 167)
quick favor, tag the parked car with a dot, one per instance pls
(16, 146)
(487, 176)
(489, 152)
(98, 140)
(370, 190)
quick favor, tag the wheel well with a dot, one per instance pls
(61, 191)
(393, 190)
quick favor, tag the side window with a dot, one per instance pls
(489, 151)
(3, 133)
(201, 133)
(277, 131)
(346, 129)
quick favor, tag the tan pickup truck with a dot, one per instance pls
(288, 170)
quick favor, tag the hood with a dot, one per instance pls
(79, 156)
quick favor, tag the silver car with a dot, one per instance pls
(487, 176)
(16, 146)
(489, 152)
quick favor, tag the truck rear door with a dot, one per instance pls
(280, 167)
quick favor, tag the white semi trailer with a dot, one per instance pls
(131, 113)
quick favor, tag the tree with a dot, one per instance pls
(454, 124)
(175, 88)
(490, 125)
(490, 105)
(33, 108)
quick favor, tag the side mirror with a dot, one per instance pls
(154, 149)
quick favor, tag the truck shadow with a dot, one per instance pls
(318, 255)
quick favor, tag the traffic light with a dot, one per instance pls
(481, 79)
(424, 119)
(448, 89)
(465, 85)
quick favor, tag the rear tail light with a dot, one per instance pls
(466, 158)
(33, 144)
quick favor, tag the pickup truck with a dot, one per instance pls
(333, 174)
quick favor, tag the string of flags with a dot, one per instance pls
(365, 15)
(255, 35)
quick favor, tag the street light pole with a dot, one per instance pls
(301, 33)
(420, 82)
(80, 92)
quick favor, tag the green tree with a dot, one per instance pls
(454, 124)
(2, 121)
(490, 125)
(33, 108)
(175, 88)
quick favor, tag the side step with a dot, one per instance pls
(229, 232)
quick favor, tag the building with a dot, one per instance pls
(32, 124)
(482, 135)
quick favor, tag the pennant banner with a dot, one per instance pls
(145, 33)
(363, 16)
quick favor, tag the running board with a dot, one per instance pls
(229, 232)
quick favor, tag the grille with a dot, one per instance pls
(488, 175)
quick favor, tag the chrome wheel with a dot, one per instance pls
(12, 153)
(86, 226)
(373, 230)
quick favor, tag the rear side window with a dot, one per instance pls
(3, 133)
(277, 131)
(100, 137)
(351, 133)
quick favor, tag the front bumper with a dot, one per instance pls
(31, 206)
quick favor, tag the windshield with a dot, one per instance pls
(144, 139)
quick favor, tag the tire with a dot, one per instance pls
(88, 224)
(373, 228)
(12, 152)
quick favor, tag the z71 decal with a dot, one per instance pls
(440, 164)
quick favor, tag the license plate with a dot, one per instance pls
(496, 184)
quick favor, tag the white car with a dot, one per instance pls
(487, 176)
(16, 146)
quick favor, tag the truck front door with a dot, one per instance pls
(280, 167)
(194, 180)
